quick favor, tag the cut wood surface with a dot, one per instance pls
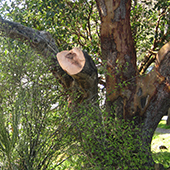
(71, 61)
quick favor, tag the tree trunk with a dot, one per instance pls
(142, 100)
(168, 119)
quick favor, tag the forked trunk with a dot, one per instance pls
(142, 100)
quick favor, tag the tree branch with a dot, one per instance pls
(152, 98)
(40, 41)
(148, 60)
(75, 70)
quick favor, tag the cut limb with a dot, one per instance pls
(71, 61)
(80, 66)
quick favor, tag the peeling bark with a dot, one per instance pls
(118, 50)
(159, 78)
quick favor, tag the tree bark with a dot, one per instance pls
(168, 119)
(142, 99)
(118, 50)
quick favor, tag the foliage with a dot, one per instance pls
(162, 158)
(70, 23)
(29, 135)
(150, 27)
(77, 23)
(34, 136)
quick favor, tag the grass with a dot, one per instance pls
(161, 155)
(162, 124)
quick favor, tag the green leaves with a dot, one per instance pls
(8, 136)
(150, 25)
(26, 93)
(71, 23)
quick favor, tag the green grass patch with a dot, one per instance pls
(161, 156)
(162, 124)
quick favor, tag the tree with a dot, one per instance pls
(135, 100)
(168, 119)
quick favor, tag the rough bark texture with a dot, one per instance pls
(168, 120)
(118, 50)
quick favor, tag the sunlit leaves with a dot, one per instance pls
(72, 23)
(27, 124)
(147, 32)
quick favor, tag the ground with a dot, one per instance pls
(160, 145)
